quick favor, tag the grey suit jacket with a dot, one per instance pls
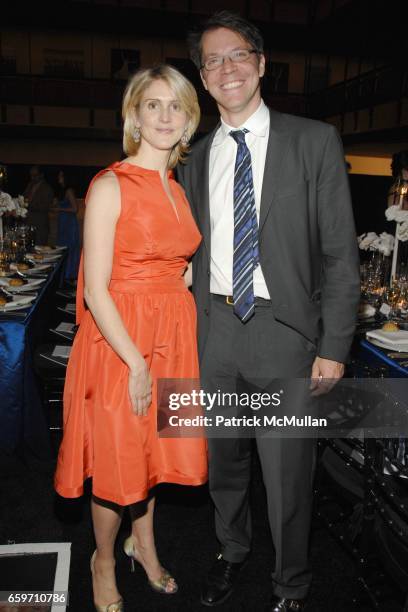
(308, 248)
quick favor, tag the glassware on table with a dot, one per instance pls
(23, 237)
(4, 260)
(31, 237)
(373, 279)
(12, 244)
(400, 286)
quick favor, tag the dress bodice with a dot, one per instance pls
(153, 239)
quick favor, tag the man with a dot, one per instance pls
(277, 287)
(40, 196)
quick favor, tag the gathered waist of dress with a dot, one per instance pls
(143, 286)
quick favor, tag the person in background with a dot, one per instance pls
(39, 195)
(68, 227)
(399, 169)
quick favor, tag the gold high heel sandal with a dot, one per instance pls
(117, 606)
(161, 584)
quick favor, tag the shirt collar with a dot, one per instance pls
(257, 124)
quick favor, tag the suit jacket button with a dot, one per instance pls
(206, 311)
(208, 273)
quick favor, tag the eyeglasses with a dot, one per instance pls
(237, 56)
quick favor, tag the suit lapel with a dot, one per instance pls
(278, 144)
(203, 208)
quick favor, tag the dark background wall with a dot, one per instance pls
(369, 193)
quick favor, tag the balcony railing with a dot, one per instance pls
(102, 93)
(385, 84)
(43, 91)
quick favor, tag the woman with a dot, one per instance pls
(139, 327)
(68, 228)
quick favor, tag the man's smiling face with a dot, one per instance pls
(234, 86)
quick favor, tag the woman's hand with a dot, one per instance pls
(140, 389)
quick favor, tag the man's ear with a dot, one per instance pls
(261, 66)
(203, 80)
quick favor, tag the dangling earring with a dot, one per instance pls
(184, 138)
(136, 134)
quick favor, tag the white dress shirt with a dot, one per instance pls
(222, 164)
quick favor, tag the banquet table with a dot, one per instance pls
(22, 419)
(380, 358)
(392, 367)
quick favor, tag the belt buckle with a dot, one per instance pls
(229, 300)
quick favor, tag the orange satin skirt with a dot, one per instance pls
(103, 439)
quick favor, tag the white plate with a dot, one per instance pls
(18, 303)
(11, 310)
(389, 337)
(398, 348)
(51, 250)
(50, 259)
(38, 268)
(35, 269)
(364, 315)
(366, 311)
(46, 258)
(33, 282)
(28, 287)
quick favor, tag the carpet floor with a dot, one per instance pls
(31, 512)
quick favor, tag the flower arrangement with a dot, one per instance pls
(384, 243)
(16, 206)
(395, 213)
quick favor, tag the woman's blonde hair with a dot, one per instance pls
(185, 94)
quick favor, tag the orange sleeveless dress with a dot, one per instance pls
(103, 439)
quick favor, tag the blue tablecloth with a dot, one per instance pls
(379, 357)
(22, 418)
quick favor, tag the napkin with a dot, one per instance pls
(394, 338)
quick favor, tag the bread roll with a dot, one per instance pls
(390, 326)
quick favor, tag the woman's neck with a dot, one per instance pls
(151, 159)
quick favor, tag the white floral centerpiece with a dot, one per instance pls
(395, 213)
(385, 243)
(17, 207)
(370, 241)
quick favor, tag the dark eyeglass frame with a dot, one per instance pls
(229, 55)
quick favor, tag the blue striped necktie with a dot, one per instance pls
(246, 250)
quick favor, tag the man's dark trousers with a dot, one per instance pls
(243, 357)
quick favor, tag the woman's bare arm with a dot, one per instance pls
(102, 213)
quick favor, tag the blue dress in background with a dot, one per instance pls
(68, 235)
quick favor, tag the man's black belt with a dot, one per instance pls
(229, 300)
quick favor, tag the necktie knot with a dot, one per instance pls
(239, 136)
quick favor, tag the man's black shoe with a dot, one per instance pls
(283, 604)
(220, 582)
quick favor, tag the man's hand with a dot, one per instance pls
(325, 374)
